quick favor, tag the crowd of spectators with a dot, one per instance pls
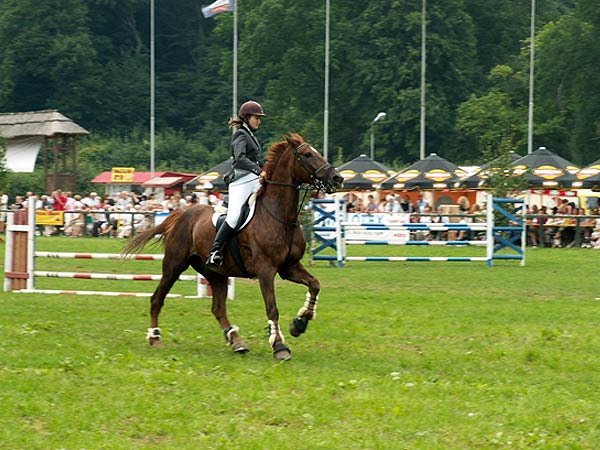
(95, 215)
(562, 225)
(128, 212)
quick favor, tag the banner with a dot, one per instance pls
(54, 218)
(218, 7)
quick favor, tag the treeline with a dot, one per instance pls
(90, 60)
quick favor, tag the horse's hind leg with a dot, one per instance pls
(171, 272)
(298, 274)
(218, 283)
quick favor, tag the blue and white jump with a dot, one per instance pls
(331, 231)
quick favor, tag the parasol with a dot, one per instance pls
(589, 176)
(543, 168)
(480, 178)
(362, 173)
(433, 172)
(213, 176)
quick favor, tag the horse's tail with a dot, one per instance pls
(139, 241)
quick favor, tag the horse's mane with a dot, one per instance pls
(275, 150)
(274, 153)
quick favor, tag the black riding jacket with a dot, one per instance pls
(246, 151)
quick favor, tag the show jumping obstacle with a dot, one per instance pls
(332, 232)
(20, 273)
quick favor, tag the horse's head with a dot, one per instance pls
(311, 167)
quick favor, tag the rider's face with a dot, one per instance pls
(254, 122)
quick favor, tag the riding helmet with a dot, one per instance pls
(251, 108)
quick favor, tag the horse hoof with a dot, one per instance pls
(240, 347)
(282, 353)
(297, 327)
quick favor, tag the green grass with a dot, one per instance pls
(402, 355)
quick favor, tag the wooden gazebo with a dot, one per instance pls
(25, 133)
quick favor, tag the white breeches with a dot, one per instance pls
(239, 192)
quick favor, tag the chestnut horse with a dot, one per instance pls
(272, 243)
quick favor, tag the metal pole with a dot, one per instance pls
(372, 141)
(152, 98)
(235, 59)
(531, 64)
(326, 100)
(423, 65)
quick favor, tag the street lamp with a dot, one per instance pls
(377, 118)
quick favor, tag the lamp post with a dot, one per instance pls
(377, 118)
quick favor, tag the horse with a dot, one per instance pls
(272, 243)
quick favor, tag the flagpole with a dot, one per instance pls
(326, 100)
(152, 98)
(235, 59)
(423, 66)
(531, 64)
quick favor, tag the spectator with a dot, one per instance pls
(74, 227)
(3, 209)
(406, 205)
(92, 201)
(371, 206)
(58, 200)
(100, 218)
(463, 204)
(393, 206)
(124, 201)
(421, 203)
(169, 204)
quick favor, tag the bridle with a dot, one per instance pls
(316, 183)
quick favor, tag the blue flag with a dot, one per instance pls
(217, 7)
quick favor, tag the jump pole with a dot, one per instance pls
(20, 257)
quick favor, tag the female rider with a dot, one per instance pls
(247, 172)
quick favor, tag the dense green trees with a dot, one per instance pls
(90, 60)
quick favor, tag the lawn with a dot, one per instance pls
(401, 355)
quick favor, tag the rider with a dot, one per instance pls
(247, 172)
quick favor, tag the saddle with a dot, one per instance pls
(245, 217)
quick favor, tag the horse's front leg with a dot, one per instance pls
(267, 287)
(298, 274)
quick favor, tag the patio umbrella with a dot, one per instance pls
(543, 168)
(362, 173)
(214, 176)
(433, 172)
(480, 178)
(589, 176)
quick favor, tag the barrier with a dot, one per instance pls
(20, 256)
(330, 231)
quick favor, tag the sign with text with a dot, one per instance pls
(122, 175)
(52, 218)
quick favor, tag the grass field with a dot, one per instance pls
(401, 356)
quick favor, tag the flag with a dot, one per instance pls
(217, 7)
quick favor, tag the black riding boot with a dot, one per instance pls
(215, 255)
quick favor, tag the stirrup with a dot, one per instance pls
(215, 258)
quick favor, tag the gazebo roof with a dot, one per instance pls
(37, 123)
